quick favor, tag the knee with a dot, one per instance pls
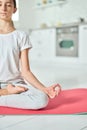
(42, 101)
(36, 101)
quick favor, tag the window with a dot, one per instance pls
(16, 15)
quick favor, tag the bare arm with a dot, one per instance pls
(30, 77)
(26, 72)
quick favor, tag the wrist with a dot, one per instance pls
(44, 89)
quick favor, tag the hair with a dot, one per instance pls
(14, 1)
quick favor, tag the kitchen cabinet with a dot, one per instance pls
(39, 4)
(43, 42)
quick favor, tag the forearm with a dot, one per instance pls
(3, 92)
(30, 77)
(51, 91)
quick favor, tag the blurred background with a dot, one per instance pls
(58, 34)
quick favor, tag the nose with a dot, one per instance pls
(3, 7)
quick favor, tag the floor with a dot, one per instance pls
(69, 76)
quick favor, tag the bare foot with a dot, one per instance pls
(15, 89)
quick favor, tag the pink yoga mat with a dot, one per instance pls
(71, 101)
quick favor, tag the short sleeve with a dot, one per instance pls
(25, 42)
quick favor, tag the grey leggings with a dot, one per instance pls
(31, 99)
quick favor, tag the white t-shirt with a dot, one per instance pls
(11, 45)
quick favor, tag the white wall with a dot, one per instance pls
(32, 18)
(68, 13)
(26, 14)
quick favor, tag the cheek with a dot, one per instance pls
(10, 12)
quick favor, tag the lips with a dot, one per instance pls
(3, 13)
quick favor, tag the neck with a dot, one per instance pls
(6, 26)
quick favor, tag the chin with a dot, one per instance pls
(4, 18)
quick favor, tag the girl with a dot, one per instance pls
(14, 48)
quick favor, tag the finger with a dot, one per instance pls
(52, 96)
(22, 88)
(57, 90)
(57, 87)
(26, 89)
